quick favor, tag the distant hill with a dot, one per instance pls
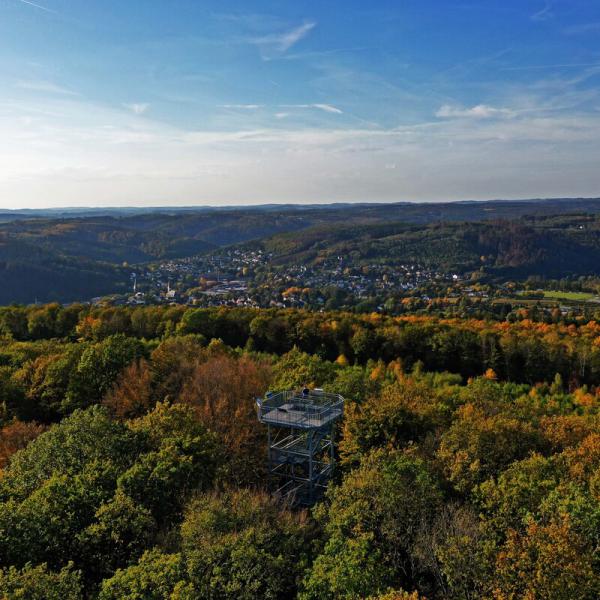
(80, 257)
(554, 246)
(414, 212)
(76, 255)
(30, 272)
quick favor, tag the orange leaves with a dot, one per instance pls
(375, 318)
(547, 561)
(294, 290)
(584, 460)
(490, 374)
(87, 327)
(132, 394)
(222, 391)
(15, 436)
(591, 328)
(378, 372)
(397, 369)
(583, 398)
(566, 431)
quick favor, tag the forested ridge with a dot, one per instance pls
(133, 464)
(552, 246)
(77, 258)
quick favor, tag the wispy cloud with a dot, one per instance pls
(286, 40)
(139, 108)
(44, 8)
(324, 107)
(323, 53)
(109, 156)
(552, 66)
(328, 108)
(277, 44)
(46, 87)
(492, 134)
(481, 111)
(544, 14)
(241, 106)
(583, 28)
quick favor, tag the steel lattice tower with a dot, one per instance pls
(300, 428)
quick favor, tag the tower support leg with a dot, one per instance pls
(269, 464)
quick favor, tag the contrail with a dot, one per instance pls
(37, 6)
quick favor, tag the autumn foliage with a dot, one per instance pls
(133, 463)
(16, 435)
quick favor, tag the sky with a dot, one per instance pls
(184, 102)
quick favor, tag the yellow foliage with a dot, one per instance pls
(398, 595)
(567, 431)
(342, 360)
(547, 561)
(378, 372)
(583, 398)
(396, 368)
(491, 374)
(291, 290)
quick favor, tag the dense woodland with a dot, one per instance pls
(133, 463)
(550, 246)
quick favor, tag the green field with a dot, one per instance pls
(558, 295)
(577, 296)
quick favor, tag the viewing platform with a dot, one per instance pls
(313, 410)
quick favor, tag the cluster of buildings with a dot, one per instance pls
(361, 281)
(208, 280)
(249, 277)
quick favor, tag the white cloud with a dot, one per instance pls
(286, 40)
(241, 106)
(328, 108)
(59, 150)
(139, 108)
(45, 87)
(480, 111)
(324, 107)
(276, 44)
(544, 14)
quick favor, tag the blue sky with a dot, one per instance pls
(181, 102)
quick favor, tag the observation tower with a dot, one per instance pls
(300, 428)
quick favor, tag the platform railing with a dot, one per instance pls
(291, 407)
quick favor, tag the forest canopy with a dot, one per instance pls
(133, 464)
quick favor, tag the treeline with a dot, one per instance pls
(521, 351)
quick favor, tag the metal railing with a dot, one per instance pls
(298, 409)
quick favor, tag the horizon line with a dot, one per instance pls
(297, 204)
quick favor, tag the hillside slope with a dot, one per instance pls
(549, 246)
